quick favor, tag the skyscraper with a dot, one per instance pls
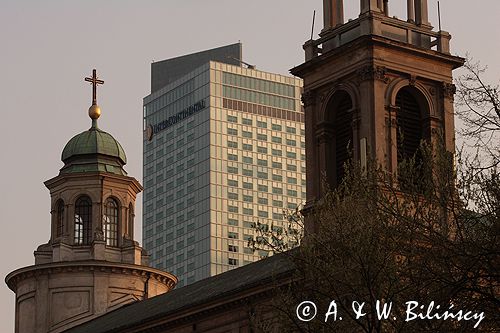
(223, 150)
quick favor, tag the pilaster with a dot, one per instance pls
(422, 13)
(371, 6)
(391, 131)
(447, 98)
(312, 183)
(333, 13)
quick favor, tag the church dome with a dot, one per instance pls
(92, 142)
(93, 150)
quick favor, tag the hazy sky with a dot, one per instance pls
(48, 47)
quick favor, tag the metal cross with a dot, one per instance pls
(94, 81)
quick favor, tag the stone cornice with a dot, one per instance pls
(78, 266)
(371, 41)
(59, 179)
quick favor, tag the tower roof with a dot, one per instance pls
(93, 150)
(93, 144)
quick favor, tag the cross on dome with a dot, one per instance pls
(94, 81)
(94, 110)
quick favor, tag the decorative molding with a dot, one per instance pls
(98, 234)
(391, 122)
(391, 118)
(89, 266)
(356, 119)
(448, 90)
(392, 108)
(412, 80)
(324, 137)
(324, 133)
(308, 207)
(322, 97)
(372, 73)
(308, 98)
(355, 122)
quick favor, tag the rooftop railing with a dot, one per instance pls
(380, 25)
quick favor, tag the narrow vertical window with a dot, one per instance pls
(409, 127)
(83, 221)
(342, 130)
(410, 133)
(110, 222)
(339, 136)
(59, 218)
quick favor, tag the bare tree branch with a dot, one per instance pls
(478, 106)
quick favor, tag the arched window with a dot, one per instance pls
(59, 218)
(110, 222)
(409, 120)
(339, 114)
(83, 221)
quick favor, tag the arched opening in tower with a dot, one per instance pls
(339, 114)
(410, 133)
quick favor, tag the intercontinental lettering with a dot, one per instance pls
(187, 112)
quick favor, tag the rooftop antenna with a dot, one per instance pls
(439, 16)
(312, 28)
(242, 62)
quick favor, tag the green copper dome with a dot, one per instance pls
(93, 150)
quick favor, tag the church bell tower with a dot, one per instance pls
(368, 83)
(91, 263)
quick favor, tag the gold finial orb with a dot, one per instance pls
(94, 111)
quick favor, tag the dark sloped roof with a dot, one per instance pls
(167, 71)
(207, 290)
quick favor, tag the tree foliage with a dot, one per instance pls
(429, 234)
(375, 242)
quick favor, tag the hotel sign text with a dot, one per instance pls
(172, 120)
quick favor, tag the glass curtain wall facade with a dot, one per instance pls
(223, 150)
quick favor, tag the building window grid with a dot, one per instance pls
(251, 143)
(262, 150)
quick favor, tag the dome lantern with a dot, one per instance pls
(93, 150)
